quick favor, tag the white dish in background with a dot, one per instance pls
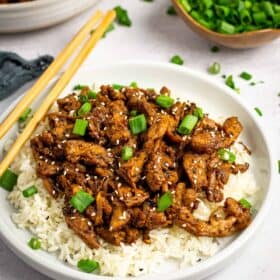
(38, 14)
(216, 99)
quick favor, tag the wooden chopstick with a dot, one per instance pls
(52, 70)
(55, 92)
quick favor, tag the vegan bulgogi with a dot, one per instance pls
(128, 160)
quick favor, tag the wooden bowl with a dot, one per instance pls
(244, 40)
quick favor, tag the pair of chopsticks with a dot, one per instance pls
(50, 73)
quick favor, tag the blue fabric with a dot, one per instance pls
(15, 71)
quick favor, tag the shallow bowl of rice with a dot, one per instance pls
(174, 253)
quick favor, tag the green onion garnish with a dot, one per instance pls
(176, 59)
(8, 180)
(34, 243)
(25, 115)
(81, 200)
(78, 87)
(226, 155)
(117, 86)
(110, 28)
(80, 127)
(171, 11)
(215, 68)
(138, 124)
(230, 83)
(30, 191)
(164, 202)
(164, 101)
(198, 112)
(85, 108)
(88, 266)
(187, 124)
(230, 17)
(246, 76)
(83, 98)
(127, 153)
(133, 85)
(133, 113)
(258, 110)
(215, 49)
(92, 94)
(279, 166)
(122, 16)
(245, 203)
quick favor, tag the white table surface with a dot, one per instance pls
(157, 36)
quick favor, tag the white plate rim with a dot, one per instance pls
(44, 266)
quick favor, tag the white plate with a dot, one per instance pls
(186, 84)
(38, 14)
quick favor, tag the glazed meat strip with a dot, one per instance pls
(127, 161)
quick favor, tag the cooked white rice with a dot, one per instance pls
(171, 248)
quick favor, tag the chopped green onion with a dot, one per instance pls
(279, 166)
(81, 200)
(133, 113)
(245, 203)
(164, 202)
(122, 16)
(25, 115)
(222, 11)
(226, 28)
(226, 155)
(258, 110)
(215, 49)
(80, 127)
(30, 191)
(85, 108)
(231, 17)
(215, 68)
(176, 59)
(138, 124)
(92, 94)
(187, 124)
(186, 5)
(245, 17)
(229, 82)
(164, 101)
(259, 17)
(79, 87)
(127, 153)
(246, 76)
(198, 112)
(34, 243)
(110, 28)
(133, 85)
(117, 86)
(171, 11)
(83, 98)
(88, 266)
(8, 180)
